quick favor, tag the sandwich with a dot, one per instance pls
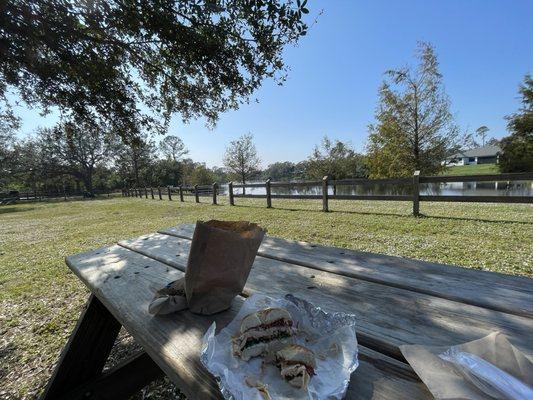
(263, 332)
(297, 365)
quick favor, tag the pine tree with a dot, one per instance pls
(414, 127)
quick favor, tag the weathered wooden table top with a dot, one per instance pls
(397, 301)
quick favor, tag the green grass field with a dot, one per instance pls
(481, 169)
(40, 299)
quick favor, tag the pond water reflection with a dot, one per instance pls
(516, 188)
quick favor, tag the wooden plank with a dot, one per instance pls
(296, 184)
(248, 185)
(121, 382)
(388, 317)
(249, 196)
(125, 280)
(506, 293)
(479, 199)
(521, 176)
(371, 197)
(369, 182)
(297, 196)
(86, 352)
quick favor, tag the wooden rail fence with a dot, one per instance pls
(414, 182)
(41, 195)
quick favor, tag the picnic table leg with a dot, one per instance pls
(86, 352)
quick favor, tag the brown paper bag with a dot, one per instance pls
(220, 260)
(444, 381)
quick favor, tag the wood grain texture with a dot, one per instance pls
(86, 352)
(124, 282)
(121, 382)
(506, 293)
(388, 316)
(479, 199)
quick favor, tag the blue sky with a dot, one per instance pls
(485, 47)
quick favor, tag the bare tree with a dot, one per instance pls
(173, 147)
(415, 129)
(241, 158)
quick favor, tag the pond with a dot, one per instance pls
(516, 188)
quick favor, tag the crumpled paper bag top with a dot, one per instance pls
(245, 229)
(445, 382)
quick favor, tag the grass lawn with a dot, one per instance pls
(40, 299)
(481, 169)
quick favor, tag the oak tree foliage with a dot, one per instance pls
(133, 64)
(75, 150)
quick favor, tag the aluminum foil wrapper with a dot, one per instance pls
(331, 336)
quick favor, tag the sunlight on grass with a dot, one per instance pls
(41, 299)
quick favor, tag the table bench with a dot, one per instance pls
(396, 300)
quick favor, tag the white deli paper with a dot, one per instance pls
(331, 336)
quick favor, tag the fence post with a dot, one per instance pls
(145, 192)
(215, 187)
(181, 193)
(230, 194)
(169, 193)
(325, 194)
(269, 198)
(416, 193)
(197, 199)
(159, 192)
(152, 192)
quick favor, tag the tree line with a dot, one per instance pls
(414, 129)
(85, 158)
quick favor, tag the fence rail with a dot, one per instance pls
(41, 195)
(414, 182)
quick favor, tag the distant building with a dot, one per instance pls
(488, 154)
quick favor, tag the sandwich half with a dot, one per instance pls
(297, 365)
(263, 332)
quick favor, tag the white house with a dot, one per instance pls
(488, 154)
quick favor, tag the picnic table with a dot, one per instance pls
(396, 300)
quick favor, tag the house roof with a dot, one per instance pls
(485, 151)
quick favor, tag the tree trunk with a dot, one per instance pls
(243, 177)
(88, 180)
(416, 149)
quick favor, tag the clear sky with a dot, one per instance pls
(485, 47)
